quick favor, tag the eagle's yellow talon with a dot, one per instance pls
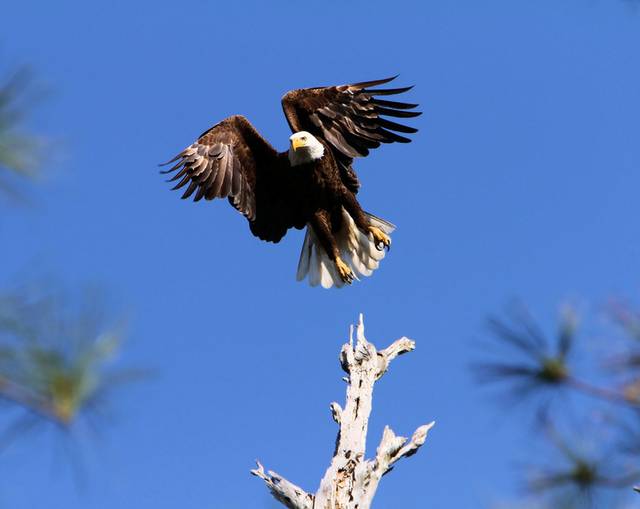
(346, 274)
(380, 238)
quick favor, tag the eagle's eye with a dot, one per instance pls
(303, 138)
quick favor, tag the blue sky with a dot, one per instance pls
(522, 182)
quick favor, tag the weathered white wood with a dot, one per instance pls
(288, 493)
(351, 481)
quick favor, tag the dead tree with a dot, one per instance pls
(351, 480)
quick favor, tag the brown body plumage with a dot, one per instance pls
(232, 160)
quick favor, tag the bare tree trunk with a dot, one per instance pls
(351, 480)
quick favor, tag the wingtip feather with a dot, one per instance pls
(372, 83)
(388, 91)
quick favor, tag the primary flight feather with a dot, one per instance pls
(312, 184)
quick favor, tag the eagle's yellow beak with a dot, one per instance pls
(296, 143)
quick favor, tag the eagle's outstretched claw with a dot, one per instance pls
(346, 274)
(381, 239)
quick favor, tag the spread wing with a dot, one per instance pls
(350, 118)
(231, 160)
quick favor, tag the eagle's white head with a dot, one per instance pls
(304, 148)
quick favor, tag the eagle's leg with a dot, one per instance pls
(381, 239)
(321, 223)
(346, 274)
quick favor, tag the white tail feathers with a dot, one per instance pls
(357, 249)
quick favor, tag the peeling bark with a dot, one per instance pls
(351, 481)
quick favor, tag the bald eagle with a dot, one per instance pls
(312, 184)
